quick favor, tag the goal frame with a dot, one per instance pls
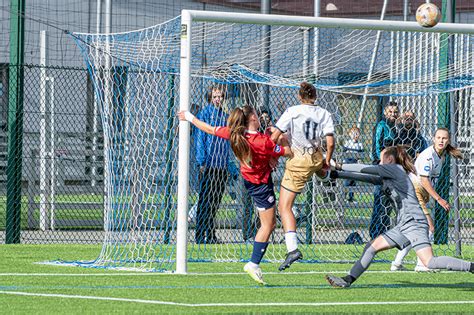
(190, 16)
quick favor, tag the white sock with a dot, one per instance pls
(252, 265)
(419, 263)
(291, 241)
(400, 255)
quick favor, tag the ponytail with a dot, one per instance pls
(237, 123)
(307, 92)
(452, 150)
(401, 157)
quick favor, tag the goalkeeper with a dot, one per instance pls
(257, 154)
(412, 225)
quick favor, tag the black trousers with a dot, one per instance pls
(211, 187)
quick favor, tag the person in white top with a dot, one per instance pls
(305, 125)
(428, 167)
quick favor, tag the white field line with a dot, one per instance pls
(115, 273)
(105, 298)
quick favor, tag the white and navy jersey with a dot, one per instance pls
(305, 125)
(428, 164)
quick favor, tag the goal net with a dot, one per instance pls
(142, 78)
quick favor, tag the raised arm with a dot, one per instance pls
(384, 171)
(360, 168)
(187, 116)
(366, 178)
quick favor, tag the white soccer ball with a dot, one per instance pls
(428, 15)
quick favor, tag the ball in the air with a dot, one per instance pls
(428, 15)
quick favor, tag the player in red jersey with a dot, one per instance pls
(255, 151)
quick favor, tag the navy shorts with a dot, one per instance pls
(262, 194)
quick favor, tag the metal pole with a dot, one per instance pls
(317, 13)
(15, 122)
(371, 67)
(450, 16)
(405, 10)
(42, 153)
(52, 155)
(95, 111)
(184, 144)
(107, 103)
(266, 7)
(312, 189)
(360, 24)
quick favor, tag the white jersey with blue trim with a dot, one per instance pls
(428, 164)
(306, 125)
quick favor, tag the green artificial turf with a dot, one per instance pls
(215, 288)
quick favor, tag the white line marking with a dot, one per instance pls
(105, 298)
(115, 273)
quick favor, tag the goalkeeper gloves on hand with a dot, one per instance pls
(188, 116)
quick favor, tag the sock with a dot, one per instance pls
(449, 263)
(291, 241)
(364, 261)
(400, 255)
(349, 279)
(252, 265)
(259, 250)
(419, 262)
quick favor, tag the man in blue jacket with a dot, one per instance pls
(384, 137)
(213, 157)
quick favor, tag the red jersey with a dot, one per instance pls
(262, 148)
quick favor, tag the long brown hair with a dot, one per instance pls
(307, 91)
(452, 150)
(401, 157)
(237, 123)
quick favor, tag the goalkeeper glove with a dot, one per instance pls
(188, 116)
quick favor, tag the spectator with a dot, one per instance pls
(353, 147)
(265, 121)
(212, 158)
(384, 136)
(409, 135)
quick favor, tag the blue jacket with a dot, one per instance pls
(384, 136)
(212, 151)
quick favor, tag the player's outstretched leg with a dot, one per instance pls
(291, 257)
(370, 250)
(443, 262)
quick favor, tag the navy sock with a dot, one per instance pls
(259, 250)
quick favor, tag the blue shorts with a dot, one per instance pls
(262, 194)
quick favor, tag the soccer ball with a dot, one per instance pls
(428, 15)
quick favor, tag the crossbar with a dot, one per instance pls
(325, 22)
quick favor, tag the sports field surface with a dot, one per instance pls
(28, 287)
